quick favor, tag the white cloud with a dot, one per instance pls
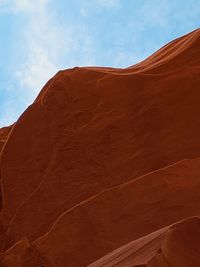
(41, 45)
(44, 45)
(28, 5)
(16, 6)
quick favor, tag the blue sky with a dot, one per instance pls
(40, 37)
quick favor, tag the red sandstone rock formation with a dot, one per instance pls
(103, 157)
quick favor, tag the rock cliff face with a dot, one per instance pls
(102, 158)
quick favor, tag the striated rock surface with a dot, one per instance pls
(173, 246)
(102, 158)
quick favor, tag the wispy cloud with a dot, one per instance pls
(41, 43)
(28, 6)
(45, 46)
